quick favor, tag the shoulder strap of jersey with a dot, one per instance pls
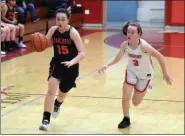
(70, 28)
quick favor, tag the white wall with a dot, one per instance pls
(150, 11)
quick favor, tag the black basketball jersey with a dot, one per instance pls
(64, 47)
(10, 13)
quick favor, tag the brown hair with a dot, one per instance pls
(125, 27)
(63, 10)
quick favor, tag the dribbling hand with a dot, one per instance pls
(102, 69)
(168, 79)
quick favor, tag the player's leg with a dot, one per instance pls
(128, 86)
(12, 35)
(64, 87)
(49, 101)
(140, 91)
(3, 36)
(7, 39)
(21, 34)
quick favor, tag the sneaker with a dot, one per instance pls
(124, 123)
(35, 20)
(3, 53)
(55, 112)
(44, 126)
(21, 45)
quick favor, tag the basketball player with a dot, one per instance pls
(8, 16)
(8, 39)
(139, 70)
(68, 52)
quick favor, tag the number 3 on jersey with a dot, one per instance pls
(135, 62)
(63, 50)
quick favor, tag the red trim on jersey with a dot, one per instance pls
(141, 91)
(151, 62)
(126, 79)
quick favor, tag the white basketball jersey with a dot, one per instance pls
(139, 63)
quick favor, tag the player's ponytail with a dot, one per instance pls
(125, 26)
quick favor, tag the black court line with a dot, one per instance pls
(102, 97)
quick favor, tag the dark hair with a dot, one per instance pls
(125, 27)
(63, 10)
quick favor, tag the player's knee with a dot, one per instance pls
(21, 26)
(125, 98)
(135, 103)
(51, 91)
(7, 30)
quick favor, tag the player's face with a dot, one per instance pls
(62, 20)
(3, 4)
(12, 2)
(132, 33)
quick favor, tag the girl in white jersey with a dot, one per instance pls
(139, 71)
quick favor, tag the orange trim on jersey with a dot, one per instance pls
(141, 91)
(127, 81)
(52, 70)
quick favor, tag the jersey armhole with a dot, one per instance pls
(141, 48)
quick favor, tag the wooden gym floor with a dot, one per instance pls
(94, 107)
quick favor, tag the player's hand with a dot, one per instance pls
(102, 69)
(67, 63)
(168, 79)
(14, 22)
(24, 6)
(6, 88)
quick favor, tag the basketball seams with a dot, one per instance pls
(40, 41)
(33, 43)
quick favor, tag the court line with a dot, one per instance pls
(87, 74)
(23, 104)
(104, 97)
(121, 98)
(50, 132)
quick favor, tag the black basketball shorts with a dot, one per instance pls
(67, 76)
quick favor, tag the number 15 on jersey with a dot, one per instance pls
(62, 50)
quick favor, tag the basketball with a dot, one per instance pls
(39, 42)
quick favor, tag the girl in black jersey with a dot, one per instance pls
(68, 51)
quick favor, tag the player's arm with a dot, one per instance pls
(145, 47)
(50, 33)
(3, 15)
(154, 53)
(118, 56)
(75, 36)
(115, 59)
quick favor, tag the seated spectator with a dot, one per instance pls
(8, 34)
(22, 7)
(66, 3)
(8, 16)
(53, 5)
(3, 35)
(8, 37)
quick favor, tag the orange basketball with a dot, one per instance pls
(39, 42)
